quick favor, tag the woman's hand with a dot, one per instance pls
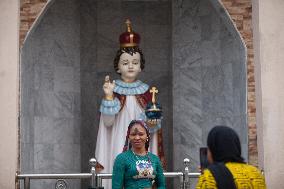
(151, 123)
(108, 88)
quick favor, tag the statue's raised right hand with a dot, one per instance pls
(108, 88)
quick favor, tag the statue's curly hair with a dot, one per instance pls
(131, 51)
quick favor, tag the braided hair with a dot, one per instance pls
(127, 144)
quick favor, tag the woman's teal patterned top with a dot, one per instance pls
(132, 171)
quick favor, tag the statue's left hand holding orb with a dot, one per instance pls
(108, 88)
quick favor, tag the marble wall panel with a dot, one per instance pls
(87, 152)
(157, 60)
(44, 77)
(59, 104)
(88, 32)
(65, 158)
(157, 36)
(90, 100)
(239, 91)
(41, 184)
(136, 11)
(206, 27)
(187, 55)
(71, 184)
(217, 89)
(208, 77)
(88, 56)
(63, 161)
(27, 100)
(88, 22)
(89, 111)
(109, 13)
(50, 102)
(107, 34)
(66, 79)
(43, 158)
(27, 157)
(240, 125)
(158, 13)
(144, 0)
(89, 47)
(227, 44)
(27, 131)
(105, 59)
(210, 51)
(55, 131)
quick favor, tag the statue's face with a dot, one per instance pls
(129, 66)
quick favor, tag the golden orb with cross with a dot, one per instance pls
(153, 110)
(154, 91)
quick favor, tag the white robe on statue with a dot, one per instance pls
(113, 129)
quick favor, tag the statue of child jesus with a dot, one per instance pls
(125, 100)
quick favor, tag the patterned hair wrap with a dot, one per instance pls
(127, 144)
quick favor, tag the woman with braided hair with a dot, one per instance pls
(136, 168)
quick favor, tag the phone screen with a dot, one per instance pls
(203, 158)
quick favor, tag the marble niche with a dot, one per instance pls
(194, 55)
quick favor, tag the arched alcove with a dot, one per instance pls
(193, 53)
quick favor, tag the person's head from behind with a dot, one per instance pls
(223, 145)
(138, 135)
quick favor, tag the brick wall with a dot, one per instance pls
(29, 11)
(240, 12)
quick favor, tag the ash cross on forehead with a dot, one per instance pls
(135, 131)
(154, 91)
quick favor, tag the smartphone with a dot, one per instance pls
(203, 158)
